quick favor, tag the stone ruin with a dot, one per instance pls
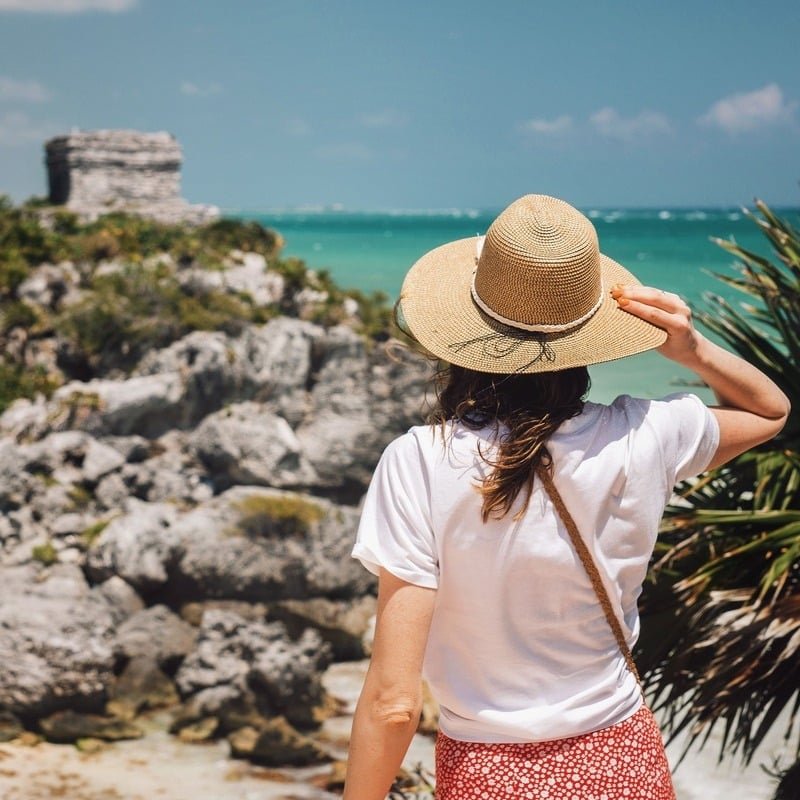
(95, 172)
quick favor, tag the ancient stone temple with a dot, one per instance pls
(94, 172)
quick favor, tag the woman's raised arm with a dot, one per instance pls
(752, 408)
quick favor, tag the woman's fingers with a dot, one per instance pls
(665, 310)
(647, 295)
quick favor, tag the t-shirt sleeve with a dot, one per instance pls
(688, 432)
(395, 531)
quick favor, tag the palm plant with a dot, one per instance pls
(724, 600)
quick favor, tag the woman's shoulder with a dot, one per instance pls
(434, 444)
(627, 414)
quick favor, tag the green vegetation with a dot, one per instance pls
(45, 554)
(19, 381)
(88, 536)
(79, 496)
(132, 299)
(276, 515)
(724, 608)
(126, 313)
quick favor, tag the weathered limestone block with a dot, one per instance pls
(94, 172)
(258, 544)
(247, 671)
(137, 545)
(55, 640)
(245, 443)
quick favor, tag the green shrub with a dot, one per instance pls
(17, 313)
(126, 313)
(13, 270)
(20, 381)
(276, 515)
(79, 496)
(88, 536)
(45, 554)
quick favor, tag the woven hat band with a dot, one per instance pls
(540, 328)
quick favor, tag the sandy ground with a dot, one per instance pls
(160, 766)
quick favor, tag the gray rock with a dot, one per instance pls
(55, 641)
(264, 670)
(269, 363)
(280, 358)
(264, 544)
(246, 444)
(137, 546)
(69, 726)
(147, 405)
(276, 743)
(100, 459)
(156, 633)
(48, 283)
(251, 612)
(141, 685)
(170, 476)
(111, 492)
(248, 273)
(69, 524)
(120, 597)
(132, 448)
(25, 418)
(209, 365)
(15, 483)
(359, 402)
(343, 624)
(59, 455)
(10, 726)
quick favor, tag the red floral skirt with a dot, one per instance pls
(626, 760)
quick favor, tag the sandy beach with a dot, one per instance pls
(160, 766)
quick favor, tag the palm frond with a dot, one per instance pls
(722, 636)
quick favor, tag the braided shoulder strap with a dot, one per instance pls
(591, 570)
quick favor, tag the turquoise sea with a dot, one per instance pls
(668, 248)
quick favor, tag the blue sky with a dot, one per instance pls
(434, 104)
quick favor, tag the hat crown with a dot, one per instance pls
(539, 266)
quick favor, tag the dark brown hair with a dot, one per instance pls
(530, 406)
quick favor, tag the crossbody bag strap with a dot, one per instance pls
(591, 570)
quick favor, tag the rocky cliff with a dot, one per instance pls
(177, 509)
(94, 172)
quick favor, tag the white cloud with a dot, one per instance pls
(608, 122)
(27, 91)
(296, 126)
(387, 118)
(17, 128)
(344, 151)
(546, 126)
(195, 90)
(748, 111)
(66, 6)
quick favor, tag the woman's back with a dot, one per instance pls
(524, 638)
(519, 648)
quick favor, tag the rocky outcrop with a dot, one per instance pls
(56, 641)
(180, 537)
(94, 172)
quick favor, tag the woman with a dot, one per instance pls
(511, 536)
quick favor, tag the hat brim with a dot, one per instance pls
(437, 306)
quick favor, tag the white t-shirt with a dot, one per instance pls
(519, 648)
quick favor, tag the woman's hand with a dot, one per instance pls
(752, 408)
(667, 311)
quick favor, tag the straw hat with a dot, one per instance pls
(533, 295)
